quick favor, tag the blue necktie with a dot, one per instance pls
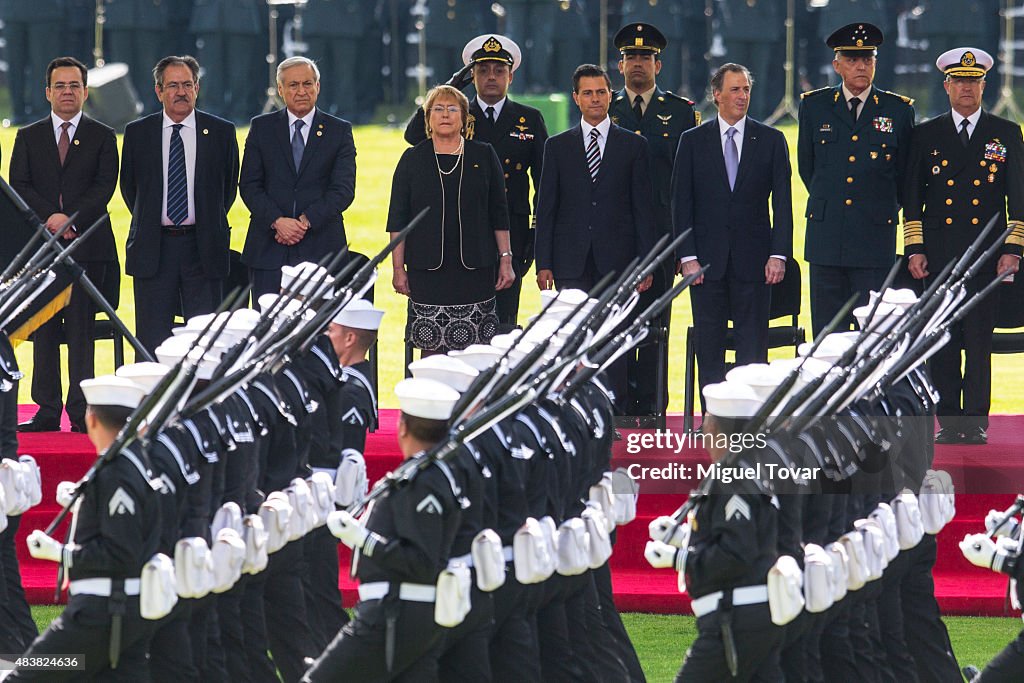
(298, 144)
(732, 157)
(177, 179)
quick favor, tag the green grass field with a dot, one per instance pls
(661, 641)
(378, 151)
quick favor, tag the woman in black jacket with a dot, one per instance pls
(453, 262)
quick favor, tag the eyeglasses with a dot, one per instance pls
(60, 86)
(441, 109)
(187, 86)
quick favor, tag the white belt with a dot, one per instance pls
(466, 559)
(507, 552)
(101, 587)
(411, 592)
(326, 470)
(747, 595)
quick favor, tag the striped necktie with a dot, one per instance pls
(594, 154)
(177, 179)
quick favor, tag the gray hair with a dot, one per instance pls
(297, 61)
(718, 79)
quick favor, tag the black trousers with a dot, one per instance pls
(16, 623)
(261, 668)
(965, 395)
(204, 629)
(232, 631)
(288, 632)
(560, 658)
(893, 625)
(598, 646)
(78, 320)
(643, 363)
(1007, 666)
(357, 653)
(84, 628)
(521, 238)
(757, 642)
(461, 650)
(179, 285)
(831, 286)
(514, 650)
(320, 587)
(927, 638)
(613, 623)
(715, 303)
(170, 651)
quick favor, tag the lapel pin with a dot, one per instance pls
(206, 131)
(77, 142)
(319, 133)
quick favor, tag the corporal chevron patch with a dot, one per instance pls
(121, 503)
(737, 508)
(430, 505)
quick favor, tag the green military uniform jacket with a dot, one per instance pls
(853, 173)
(667, 117)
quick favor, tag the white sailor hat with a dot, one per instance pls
(426, 398)
(445, 369)
(305, 277)
(266, 301)
(173, 349)
(731, 399)
(763, 378)
(147, 375)
(964, 62)
(359, 314)
(507, 340)
(904, 298)
(888, 311)
(831, 348)
(491, 47)
(108, 390)
(479, 356)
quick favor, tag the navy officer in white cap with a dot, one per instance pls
(113, 538)
(517, 133)
(965, 166)
(398, 554)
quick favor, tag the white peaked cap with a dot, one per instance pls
(147, 375)
(109, 390)
(426, 398)
(360, 314)
(479, 356)
(445, 369)
(731, 399)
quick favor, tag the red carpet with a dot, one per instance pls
(992, 473)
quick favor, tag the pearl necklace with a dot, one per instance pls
(458, 158)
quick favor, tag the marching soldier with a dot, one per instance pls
(852, 154)
(114, 537)
(517, 133)
(965, 166)
(661, 117)
(399, 553)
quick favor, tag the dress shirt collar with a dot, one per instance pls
(602, 128)
(58, 121)
(189, 121)
(497, 106)
(645, 96)
(973, 118)
(307, 119)
(724, 126)
(863, 97)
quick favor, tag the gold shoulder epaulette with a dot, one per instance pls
(907, 100)
(815, 92)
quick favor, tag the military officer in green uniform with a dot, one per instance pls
(852, 152)
(516, 132)
(661, 117)
(965, 166)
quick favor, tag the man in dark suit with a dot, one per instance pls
(298, 176)
(179, 177)
(594, 205)
(661, 117)
(852, 154)
(965, 166)
(726, 172)
(63, 164)
(516, 132)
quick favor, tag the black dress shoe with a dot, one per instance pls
(975, 436)
(78, 427)
(948, 435)
(970, 672)
(37, 424)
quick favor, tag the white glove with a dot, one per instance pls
(347, 528)
(1007, 529)
(660, 528)
(43, 547)
(664, 556)
(979, 550)
(65, 490)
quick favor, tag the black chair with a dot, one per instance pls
(1010, 316)
(785, 304)
(105, 329)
